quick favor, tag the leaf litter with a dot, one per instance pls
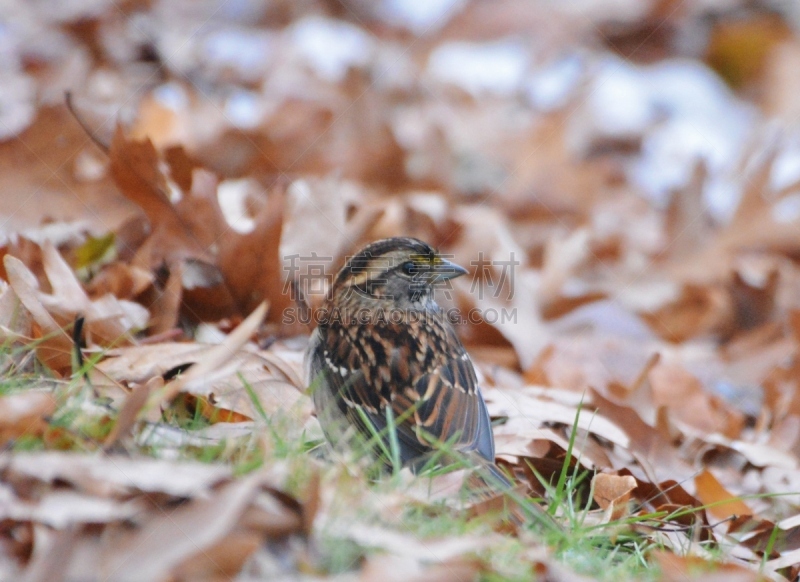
(629, 220)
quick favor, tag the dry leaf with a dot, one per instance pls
(612, 492)
(167, 541)
(136, 171)
(216, 357)
(720, 503)
(677, 568)
(25, 414)
(55, 349)
(130, 409)
(107, 475)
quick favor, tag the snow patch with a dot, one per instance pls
(330, 47)
(496, 68)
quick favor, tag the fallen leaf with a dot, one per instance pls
(683, 395)
(214, 359)
(15, 321)
(309, 255)
(108, 320)
(136, 171)
(166, 541)
(562, 257)
(251, 262)
(675, 568)
(55, 348)
(165, 304)
(187, 407)
(720, 503)
(25, 414)
(739, 49)
(121, 280)
(93, 250)
(224, 559)
(613, 492)
(116, 475)
(130, 409)
(699, 311)
(407, 545)
(65, 509)
(48, 560)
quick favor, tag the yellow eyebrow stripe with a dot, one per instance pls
(426, 260)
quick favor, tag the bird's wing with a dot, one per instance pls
(433, 400)
(448, 407)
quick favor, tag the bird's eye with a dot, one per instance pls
(409, 268)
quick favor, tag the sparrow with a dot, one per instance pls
(384, 356)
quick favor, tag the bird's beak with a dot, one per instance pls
(444, 270)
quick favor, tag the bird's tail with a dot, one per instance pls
(488, 480)
(497, 475)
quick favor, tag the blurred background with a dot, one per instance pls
(527, 103)
(639, 158)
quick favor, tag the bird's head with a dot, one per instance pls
(398, 272)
